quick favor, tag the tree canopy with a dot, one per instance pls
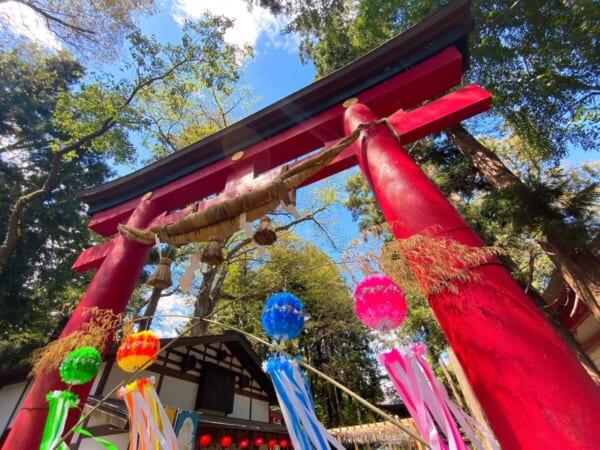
(92, 29)
(333, 341)
(61, 127)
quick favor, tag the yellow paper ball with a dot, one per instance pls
(138, 351)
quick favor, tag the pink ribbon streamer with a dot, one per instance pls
(428, 402)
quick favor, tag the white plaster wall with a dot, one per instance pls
(97, 378)
(260, 410)
(241, 407)
(594, 355)
(587, 329)
(9, 396)
(178, 393)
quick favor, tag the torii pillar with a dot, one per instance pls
(535, 393)
(533, 390)
(110, 288)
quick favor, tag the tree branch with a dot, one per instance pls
(51, 18)
(16, 211)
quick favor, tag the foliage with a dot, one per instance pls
(541, 64)
(59, 129)
(333, 340)
(90, 28)
(37, 287)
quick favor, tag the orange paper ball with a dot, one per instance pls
(138, 351)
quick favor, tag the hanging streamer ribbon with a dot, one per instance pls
(428, 402)
(150, 427)
(59, 403)
(297, 407)
(107, 444)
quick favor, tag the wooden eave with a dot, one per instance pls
(236, 343)
(448, 27)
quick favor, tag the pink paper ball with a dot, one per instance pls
(380, 303)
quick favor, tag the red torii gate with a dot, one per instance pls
(532, 388)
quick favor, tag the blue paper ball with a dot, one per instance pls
(282, 316)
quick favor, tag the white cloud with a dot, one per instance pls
(249, 25)
(172, 315)
(23, 21)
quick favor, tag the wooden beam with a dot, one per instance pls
(416, 124)
(410, 126)
(91, 258)
(425, 80)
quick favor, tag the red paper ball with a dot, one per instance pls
(283, 443)
(244, 442)
(225, 441)
(380, 303)
(204, 440)
(138, 351)
(259, 441)
(272, 443)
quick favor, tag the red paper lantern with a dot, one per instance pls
(259, 441)
(225, 441)
(204, 440)
(244, 442)
(272, 443)
(283, 443)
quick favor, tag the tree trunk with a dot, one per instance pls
(150, 309)
(579, 268)
(205, 301)
(208, 296)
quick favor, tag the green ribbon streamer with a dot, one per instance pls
(59, 403)
(109, 445)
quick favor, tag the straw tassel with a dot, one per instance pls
(161, 278)
(212, 253)
(265, 233)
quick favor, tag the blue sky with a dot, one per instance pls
(273, 73)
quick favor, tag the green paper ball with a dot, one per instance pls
(80, 366)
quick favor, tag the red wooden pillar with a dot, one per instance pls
(110, 288)
(532, 388)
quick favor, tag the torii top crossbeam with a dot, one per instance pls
(417, 65)
(532, 388)
(422, 63)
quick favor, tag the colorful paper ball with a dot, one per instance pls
(138, 351)
(80, 366)
(259, 441)
(283, 443)
(282, 316)
(244, 442)
(380, 303)
(272, 443)
(226, 441)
